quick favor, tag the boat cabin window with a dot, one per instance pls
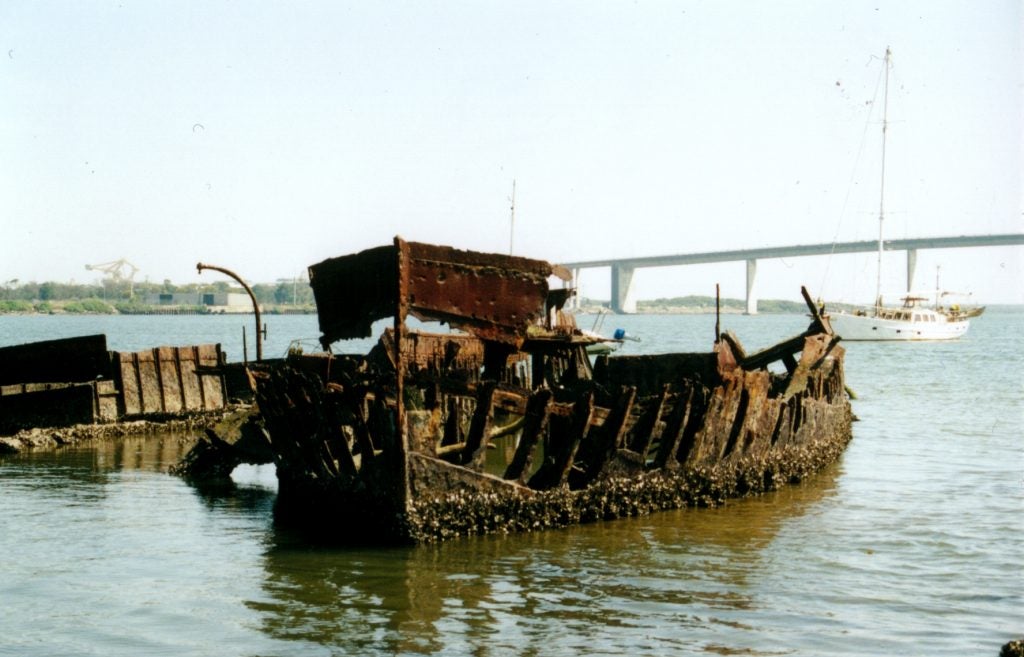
(917, 317)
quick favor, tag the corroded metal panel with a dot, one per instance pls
(493, 296)
(353, 291)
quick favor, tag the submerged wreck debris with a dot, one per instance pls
(237, 438)
(75, 382)
(505, 425)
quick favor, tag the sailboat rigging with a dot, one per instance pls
(912, 320)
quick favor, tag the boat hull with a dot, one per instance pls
(867, 328)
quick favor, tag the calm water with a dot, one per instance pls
(910, 545)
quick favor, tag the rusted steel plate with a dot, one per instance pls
(353, 291)
(68, 360)
(492, 296)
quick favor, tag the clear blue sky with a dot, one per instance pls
(266, 136)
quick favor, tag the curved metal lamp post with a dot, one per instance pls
(255, 306)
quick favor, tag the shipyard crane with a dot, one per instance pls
(118, 270)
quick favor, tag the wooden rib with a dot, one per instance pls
(555, 471)
(479, 427)
(609, 437)
(672, 436)
(644, 429)
(537, 412)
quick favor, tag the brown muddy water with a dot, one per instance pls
(909, 545)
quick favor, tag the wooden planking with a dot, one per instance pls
(171, 380)
(171, 388)
(106, 400)
(214, 394)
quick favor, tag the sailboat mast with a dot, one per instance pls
(512, 219)
(881, 193)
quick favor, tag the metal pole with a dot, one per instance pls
(255, 306)
(512, 219)
(881, 191)
(718, 314)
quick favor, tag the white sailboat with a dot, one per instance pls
(913, 320)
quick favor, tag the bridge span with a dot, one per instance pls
(622, 269)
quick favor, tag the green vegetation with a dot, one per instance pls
(91, 306)
(122, 297)
(16, 306)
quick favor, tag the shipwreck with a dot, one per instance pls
(505, 424)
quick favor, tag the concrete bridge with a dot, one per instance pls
(622, 268)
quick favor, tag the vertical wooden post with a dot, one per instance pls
(537, 411)
(475, 453)
(402, 442)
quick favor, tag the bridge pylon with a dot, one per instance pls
(622, 292)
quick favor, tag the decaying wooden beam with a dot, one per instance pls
(645, 429)
(815, 351)
(538, 410)
(361, 428)
(554, 472)
(476, 440)
(777, 352)
(672, 436)
(605, 441)
(821, 322)
(734, 344)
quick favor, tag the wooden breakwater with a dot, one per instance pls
(58, 383)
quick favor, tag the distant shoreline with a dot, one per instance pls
(692, 306)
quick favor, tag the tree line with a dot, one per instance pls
(110, 295)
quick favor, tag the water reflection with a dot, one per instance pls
(676, 581)
(671, 580)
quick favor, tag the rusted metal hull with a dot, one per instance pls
(570, 461)
(508, 428)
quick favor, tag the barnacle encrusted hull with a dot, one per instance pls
(508, 427)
